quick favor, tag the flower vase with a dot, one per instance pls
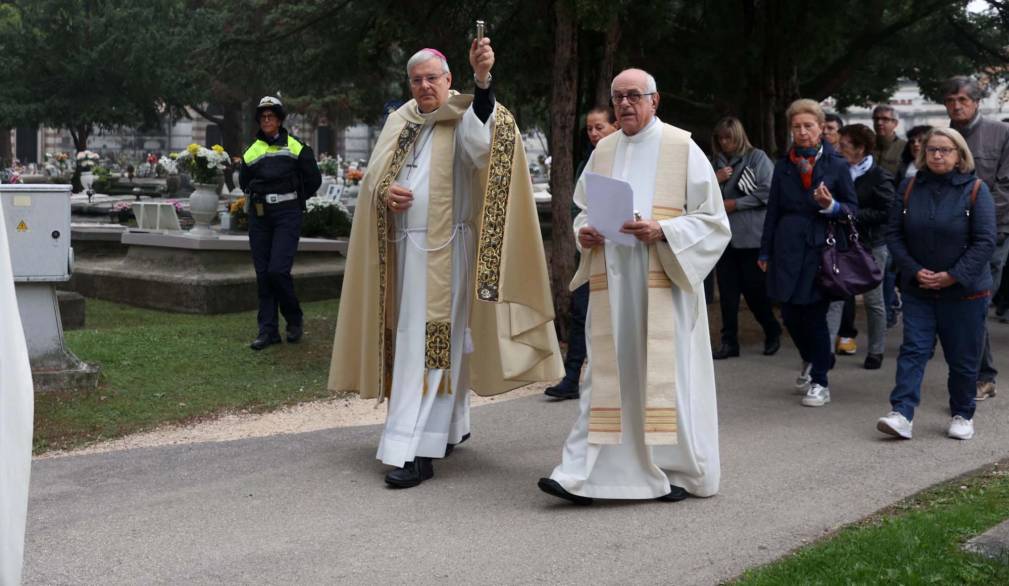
(172, 183)
(203, 206)
(87, 182)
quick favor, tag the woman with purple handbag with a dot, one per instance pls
(810, 186)
(941, 233)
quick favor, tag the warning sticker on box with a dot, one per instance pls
(22, 226)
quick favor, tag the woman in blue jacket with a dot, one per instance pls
(810, 185)
(941, 233)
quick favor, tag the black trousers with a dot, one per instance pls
(273, 239)
(848, 329)
(807, 324)
(576, 335)
(738, 274)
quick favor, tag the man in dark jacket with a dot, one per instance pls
(278, 174)
(988, 141)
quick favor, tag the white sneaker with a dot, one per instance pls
(895, 424)
(816, 396)
(804, 379)
(960, 428)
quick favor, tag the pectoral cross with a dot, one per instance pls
(410, 167)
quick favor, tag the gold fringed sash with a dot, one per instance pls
(660, 327)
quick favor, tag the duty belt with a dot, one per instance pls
(272, 198)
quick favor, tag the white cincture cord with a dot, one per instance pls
(409, 233)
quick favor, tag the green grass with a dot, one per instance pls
(162, 367)
(915, 542)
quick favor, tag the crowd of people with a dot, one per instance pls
(933, 210)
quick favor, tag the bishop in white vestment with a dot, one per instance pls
(438, 218)
(16, 407)
(647, 426)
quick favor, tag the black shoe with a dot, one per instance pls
(726, 351)
(676, 494)
(873, 361)
(554, 488)
(294, 333)
(451, 447)
(411, 474)
(562, 390)
(772, 345)
(264, 340)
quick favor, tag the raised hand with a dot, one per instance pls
(481, 58)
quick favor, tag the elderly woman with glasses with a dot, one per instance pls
(811, 184)
(941, 232)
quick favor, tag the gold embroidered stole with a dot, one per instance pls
(440, 235)
(660, 416)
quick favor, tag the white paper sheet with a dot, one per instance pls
(610, 204)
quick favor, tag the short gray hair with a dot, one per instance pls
(650, 85)
(423, 56)
(969, 84)
(888, 109)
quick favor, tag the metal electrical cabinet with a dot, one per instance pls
(37, 221)
(38, 231)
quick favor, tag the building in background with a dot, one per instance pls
(915, 109)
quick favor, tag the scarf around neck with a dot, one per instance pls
(804, 159)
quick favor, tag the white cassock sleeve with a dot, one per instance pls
(698, 237)
(16, 411)
(475, 137)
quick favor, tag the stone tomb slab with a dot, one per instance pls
(172, 271)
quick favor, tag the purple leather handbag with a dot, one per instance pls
(846, 268)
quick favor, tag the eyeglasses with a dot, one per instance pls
(430, 79)
(632, 98)
(883, 119)
(944, 151)
(268, 116)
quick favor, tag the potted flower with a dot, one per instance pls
(325, 218)
(86, 162)
(170, 168)
(121, 212)
(239, 218)
(329, 166)
(204, 166)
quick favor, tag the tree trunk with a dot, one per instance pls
(231, 128)
(602, 96)
(563, 102)
(6, 148)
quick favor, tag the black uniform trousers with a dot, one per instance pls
(273, 239)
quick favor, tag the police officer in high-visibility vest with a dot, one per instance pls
(278, 174)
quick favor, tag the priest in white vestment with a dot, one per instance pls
(647, 426)
(432, 227)
(16, 406)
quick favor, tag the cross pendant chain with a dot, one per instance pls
(415, 154)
